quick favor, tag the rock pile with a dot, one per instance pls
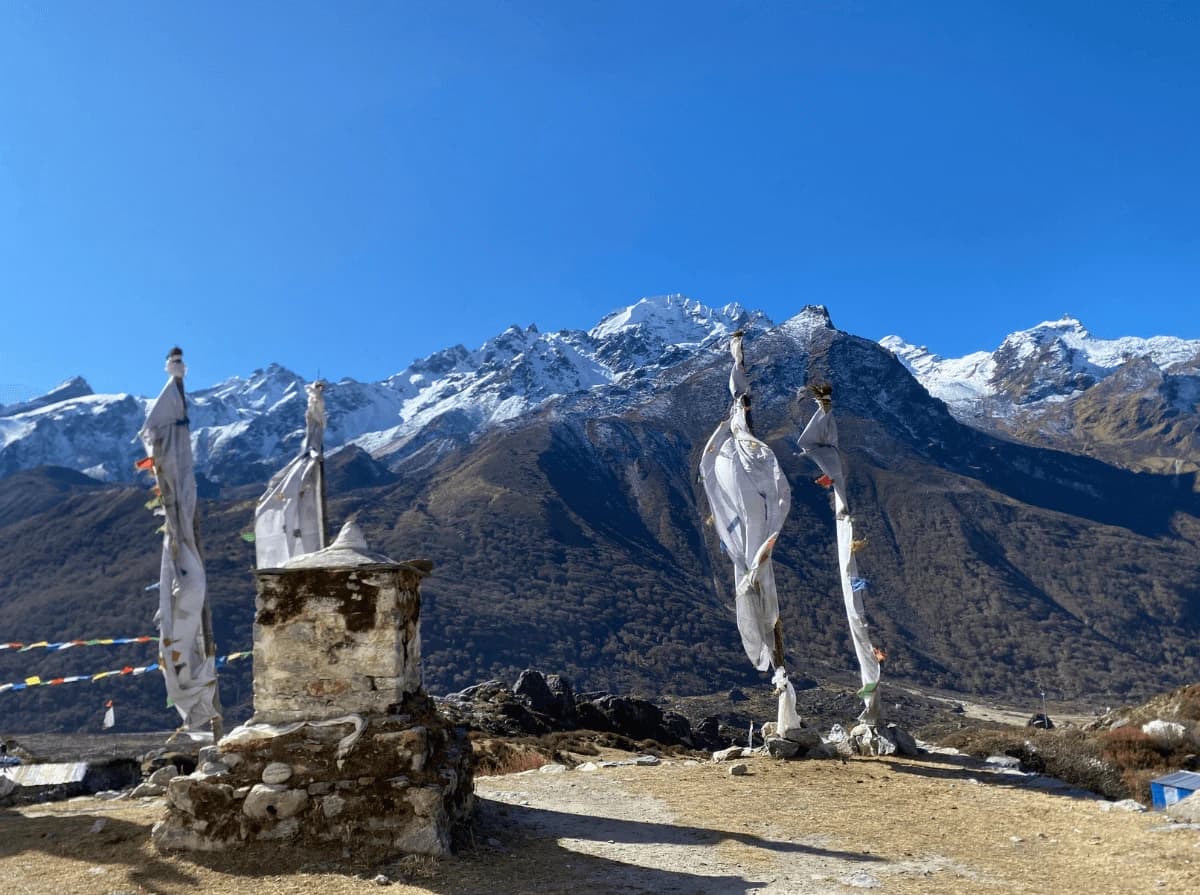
(539, 703)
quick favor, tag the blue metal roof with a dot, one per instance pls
(1182, 779)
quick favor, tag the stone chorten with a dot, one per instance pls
(344, 746)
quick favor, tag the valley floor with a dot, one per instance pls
(939, 824)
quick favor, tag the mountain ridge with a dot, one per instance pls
(242, 426)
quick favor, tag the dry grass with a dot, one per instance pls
(494, 757)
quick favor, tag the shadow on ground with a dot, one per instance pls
(104, 842)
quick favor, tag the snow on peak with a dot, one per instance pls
(260, 391)
(1100, 356)
(957, 381)
(675, 319)
(810, 319)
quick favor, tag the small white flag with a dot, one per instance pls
(110, 717)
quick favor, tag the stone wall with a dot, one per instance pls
(394, 783)
(328, 642)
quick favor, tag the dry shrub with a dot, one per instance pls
(1069, 754)
(494, 757)
(1130, 748)
(571, 741)
(1142, 757)
(413, 867)
(1138, 782)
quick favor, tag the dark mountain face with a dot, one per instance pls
(574, 540)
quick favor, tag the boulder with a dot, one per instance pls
(883, 743)
(678, 726)
(1186, 811)
(183, 762)
(163, 775)
(707, 734)
(728, 754)
(1164, 731)
(638, 719)
(906, 743)
(1041, 721)
(828, 751)
(867, 740)
(267, 801)
(276, 772)
(550, 695)
(563, 698)
(1008, 762)
(1132, 805)
(806, 737)
(484, 691)
(779, 747)
(531, 686)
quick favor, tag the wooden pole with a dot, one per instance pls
(206, 626)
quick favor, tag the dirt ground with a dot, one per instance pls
(939, 824)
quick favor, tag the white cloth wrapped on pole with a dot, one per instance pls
(819, 440)
(739, 381)
(190, 673)
(749, 498)
(786, 716)
(289, 519)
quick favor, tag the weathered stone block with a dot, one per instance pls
(274, 801)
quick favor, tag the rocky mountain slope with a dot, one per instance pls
(572, 537)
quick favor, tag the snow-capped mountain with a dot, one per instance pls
(1051, 362)
(1040, 385)
(241, 428)
(1130, 401)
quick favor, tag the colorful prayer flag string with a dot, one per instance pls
(36, 681)
(68, 644)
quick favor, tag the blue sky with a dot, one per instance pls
(347, 186)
